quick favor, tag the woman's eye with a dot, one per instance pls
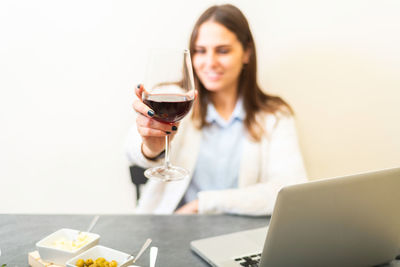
(199, 51)
(223, 51)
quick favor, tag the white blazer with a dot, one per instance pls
(266, 166)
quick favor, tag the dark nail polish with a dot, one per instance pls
(138, 86)
(168, 132)
(150, 113)
(174, 128)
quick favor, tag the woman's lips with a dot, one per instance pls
(212, 75)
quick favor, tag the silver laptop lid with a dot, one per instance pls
(348, 221)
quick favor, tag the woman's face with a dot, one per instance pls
(218, 57)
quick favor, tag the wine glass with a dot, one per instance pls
(169, 92)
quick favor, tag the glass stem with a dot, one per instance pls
(167, 164)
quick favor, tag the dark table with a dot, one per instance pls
(171, 234)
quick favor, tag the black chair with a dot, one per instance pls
(138, 178)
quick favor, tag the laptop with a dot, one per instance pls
(343, 221)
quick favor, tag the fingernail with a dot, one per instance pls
(168, 132)
(150, 113)
(138, 86)
(174, 128)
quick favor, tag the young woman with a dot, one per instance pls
(239, 143)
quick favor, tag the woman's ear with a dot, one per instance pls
(246, 56)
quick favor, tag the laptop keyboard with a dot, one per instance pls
(249, 261)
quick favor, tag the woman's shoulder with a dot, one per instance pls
(271, 121)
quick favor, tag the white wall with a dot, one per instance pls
(68, 68)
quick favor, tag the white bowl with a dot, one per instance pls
(49, 252)
(107, 253)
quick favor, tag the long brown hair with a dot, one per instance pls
(254, 99)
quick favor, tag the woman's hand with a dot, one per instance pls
(189, 208)
(153, 132)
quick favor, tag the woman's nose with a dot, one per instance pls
(211, 59)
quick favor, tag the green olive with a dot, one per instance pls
(80, 263)
(101, 259)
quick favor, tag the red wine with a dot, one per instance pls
(168, 107)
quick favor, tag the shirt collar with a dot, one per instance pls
(237, 114)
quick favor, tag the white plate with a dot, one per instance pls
(48, 252)
(100, 251)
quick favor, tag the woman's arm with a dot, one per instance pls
(282, 165)
(133, 150)
(146, 138)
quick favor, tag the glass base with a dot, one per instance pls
(164, 174)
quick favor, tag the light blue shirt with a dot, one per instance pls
(218, 162)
